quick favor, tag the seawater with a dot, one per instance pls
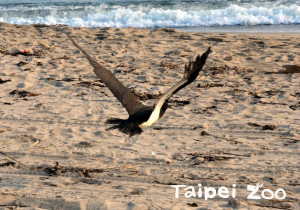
(151, 14)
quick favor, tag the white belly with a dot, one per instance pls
(153, 117)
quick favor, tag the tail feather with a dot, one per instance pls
(114, 121)
(125, 126)
(113, 127)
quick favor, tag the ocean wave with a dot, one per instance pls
(151, 17)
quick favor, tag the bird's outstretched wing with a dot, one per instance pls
(123, 94)
(190, 74)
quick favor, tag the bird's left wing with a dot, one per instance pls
(190, 74)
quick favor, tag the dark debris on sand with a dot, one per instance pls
(4, 81)
(21, 63)
(57, 169)
(198, 158)
(145, 96)
(23, 93)
(225, 68)
(67, 79)
(149, 96)
(169, 65)
(263, 127)
(289, 69)
(88, 84)
(36, 53)
(210, 85)
(295, 106)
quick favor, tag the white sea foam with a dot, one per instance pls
(146, 16)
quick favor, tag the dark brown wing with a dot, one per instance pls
(190, 74)
(123, 94)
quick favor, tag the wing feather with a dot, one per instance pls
(190, 74)
(123, 94)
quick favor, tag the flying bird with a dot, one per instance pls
(139, 114)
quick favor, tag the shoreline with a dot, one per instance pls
(259, 29)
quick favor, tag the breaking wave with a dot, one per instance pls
(149, 16)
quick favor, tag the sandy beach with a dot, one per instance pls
(238, 123)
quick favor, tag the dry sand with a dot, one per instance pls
(238, 123)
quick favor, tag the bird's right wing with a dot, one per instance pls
(123, 94)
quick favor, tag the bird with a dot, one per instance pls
(140, 116)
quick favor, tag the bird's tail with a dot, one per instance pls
(124, 126)
(114, 121)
